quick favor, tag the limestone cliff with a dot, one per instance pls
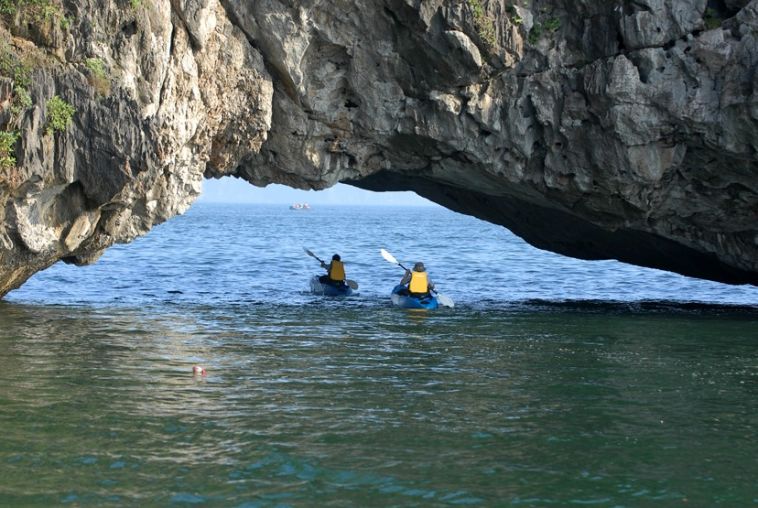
(624, 130)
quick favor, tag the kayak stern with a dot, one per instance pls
(319, 288)
(428, 302)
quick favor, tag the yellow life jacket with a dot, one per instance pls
(419, 283)
(336, 271)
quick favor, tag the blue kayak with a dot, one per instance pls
(319, 288)
(406, 301)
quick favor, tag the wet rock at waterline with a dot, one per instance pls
(621, 130)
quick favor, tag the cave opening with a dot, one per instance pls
(234, 190)
(239, 244)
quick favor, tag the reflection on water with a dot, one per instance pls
(553, 381)
(323, 404)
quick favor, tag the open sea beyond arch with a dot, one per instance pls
(553, 382)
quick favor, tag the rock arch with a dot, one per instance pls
(634, 139)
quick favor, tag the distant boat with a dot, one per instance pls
(300, 206)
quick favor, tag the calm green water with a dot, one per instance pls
(372, 406)
(553, 382)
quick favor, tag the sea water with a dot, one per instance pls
(552, 382)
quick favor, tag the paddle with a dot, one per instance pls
(443, 299)
(351, 283)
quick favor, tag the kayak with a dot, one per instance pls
(319, 288)
(412, 302)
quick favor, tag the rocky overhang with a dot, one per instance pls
(601, 130)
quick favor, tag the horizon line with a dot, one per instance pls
(220, 202)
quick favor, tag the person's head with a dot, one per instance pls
(336, 257)
(419, 267)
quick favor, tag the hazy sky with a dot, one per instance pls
(234, 190)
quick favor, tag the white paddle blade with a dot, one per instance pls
(445, 300)
(312, 255)
(351, 283)
(388, 257)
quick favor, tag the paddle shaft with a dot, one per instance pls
(313, 255)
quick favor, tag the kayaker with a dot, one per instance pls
(418, 282)
(335, 272)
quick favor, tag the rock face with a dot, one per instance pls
(624, 130)
(184, 89)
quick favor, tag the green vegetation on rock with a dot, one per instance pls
(98, 75)
(21, 100)
(535, 33)
(42, 18)
(485, 24)
(38, 10)
(7, 154)
(59, 115)
(539, 29)
(11, 66)
(7, 7)
(513, 15)
(712, 19)
(552, 24)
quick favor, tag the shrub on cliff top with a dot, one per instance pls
(59, 115)
(44, 15)
(40, 9)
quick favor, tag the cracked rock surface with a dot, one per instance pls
(625, 130)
